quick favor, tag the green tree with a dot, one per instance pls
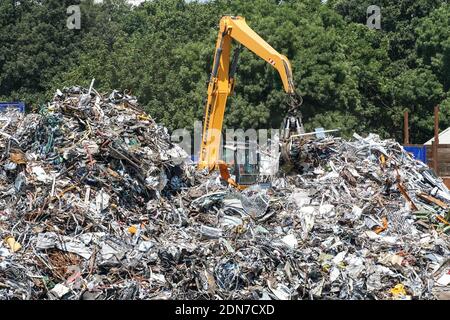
(162, 51)
(433, 43)
(36, 45)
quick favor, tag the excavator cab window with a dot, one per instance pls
(246, 164)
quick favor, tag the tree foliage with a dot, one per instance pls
(351, 77)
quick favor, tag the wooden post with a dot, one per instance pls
(434, 155)
(436, 140)
(405, 128)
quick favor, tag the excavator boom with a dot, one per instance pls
(221, 83)
(242, 33)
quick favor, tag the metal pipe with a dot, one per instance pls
(313, 133)
(234, 64)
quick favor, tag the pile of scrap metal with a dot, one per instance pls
(97, 203)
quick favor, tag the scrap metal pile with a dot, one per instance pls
(97, 203)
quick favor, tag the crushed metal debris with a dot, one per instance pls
(97, 203)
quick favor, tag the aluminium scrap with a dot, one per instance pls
(97, 203)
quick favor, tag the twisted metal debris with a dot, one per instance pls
(97, 203)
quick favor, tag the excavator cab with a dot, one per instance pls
(246, 164)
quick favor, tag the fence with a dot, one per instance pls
(443, 159)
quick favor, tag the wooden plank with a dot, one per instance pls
(413, 145)
(441, 146)
(432, 199)
(446, 181)
(443, 159)
(440, 155)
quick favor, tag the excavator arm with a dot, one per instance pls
(221, 83)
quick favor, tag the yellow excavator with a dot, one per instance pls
(221, 85)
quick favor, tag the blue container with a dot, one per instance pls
(11, 105)
(420, 153)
